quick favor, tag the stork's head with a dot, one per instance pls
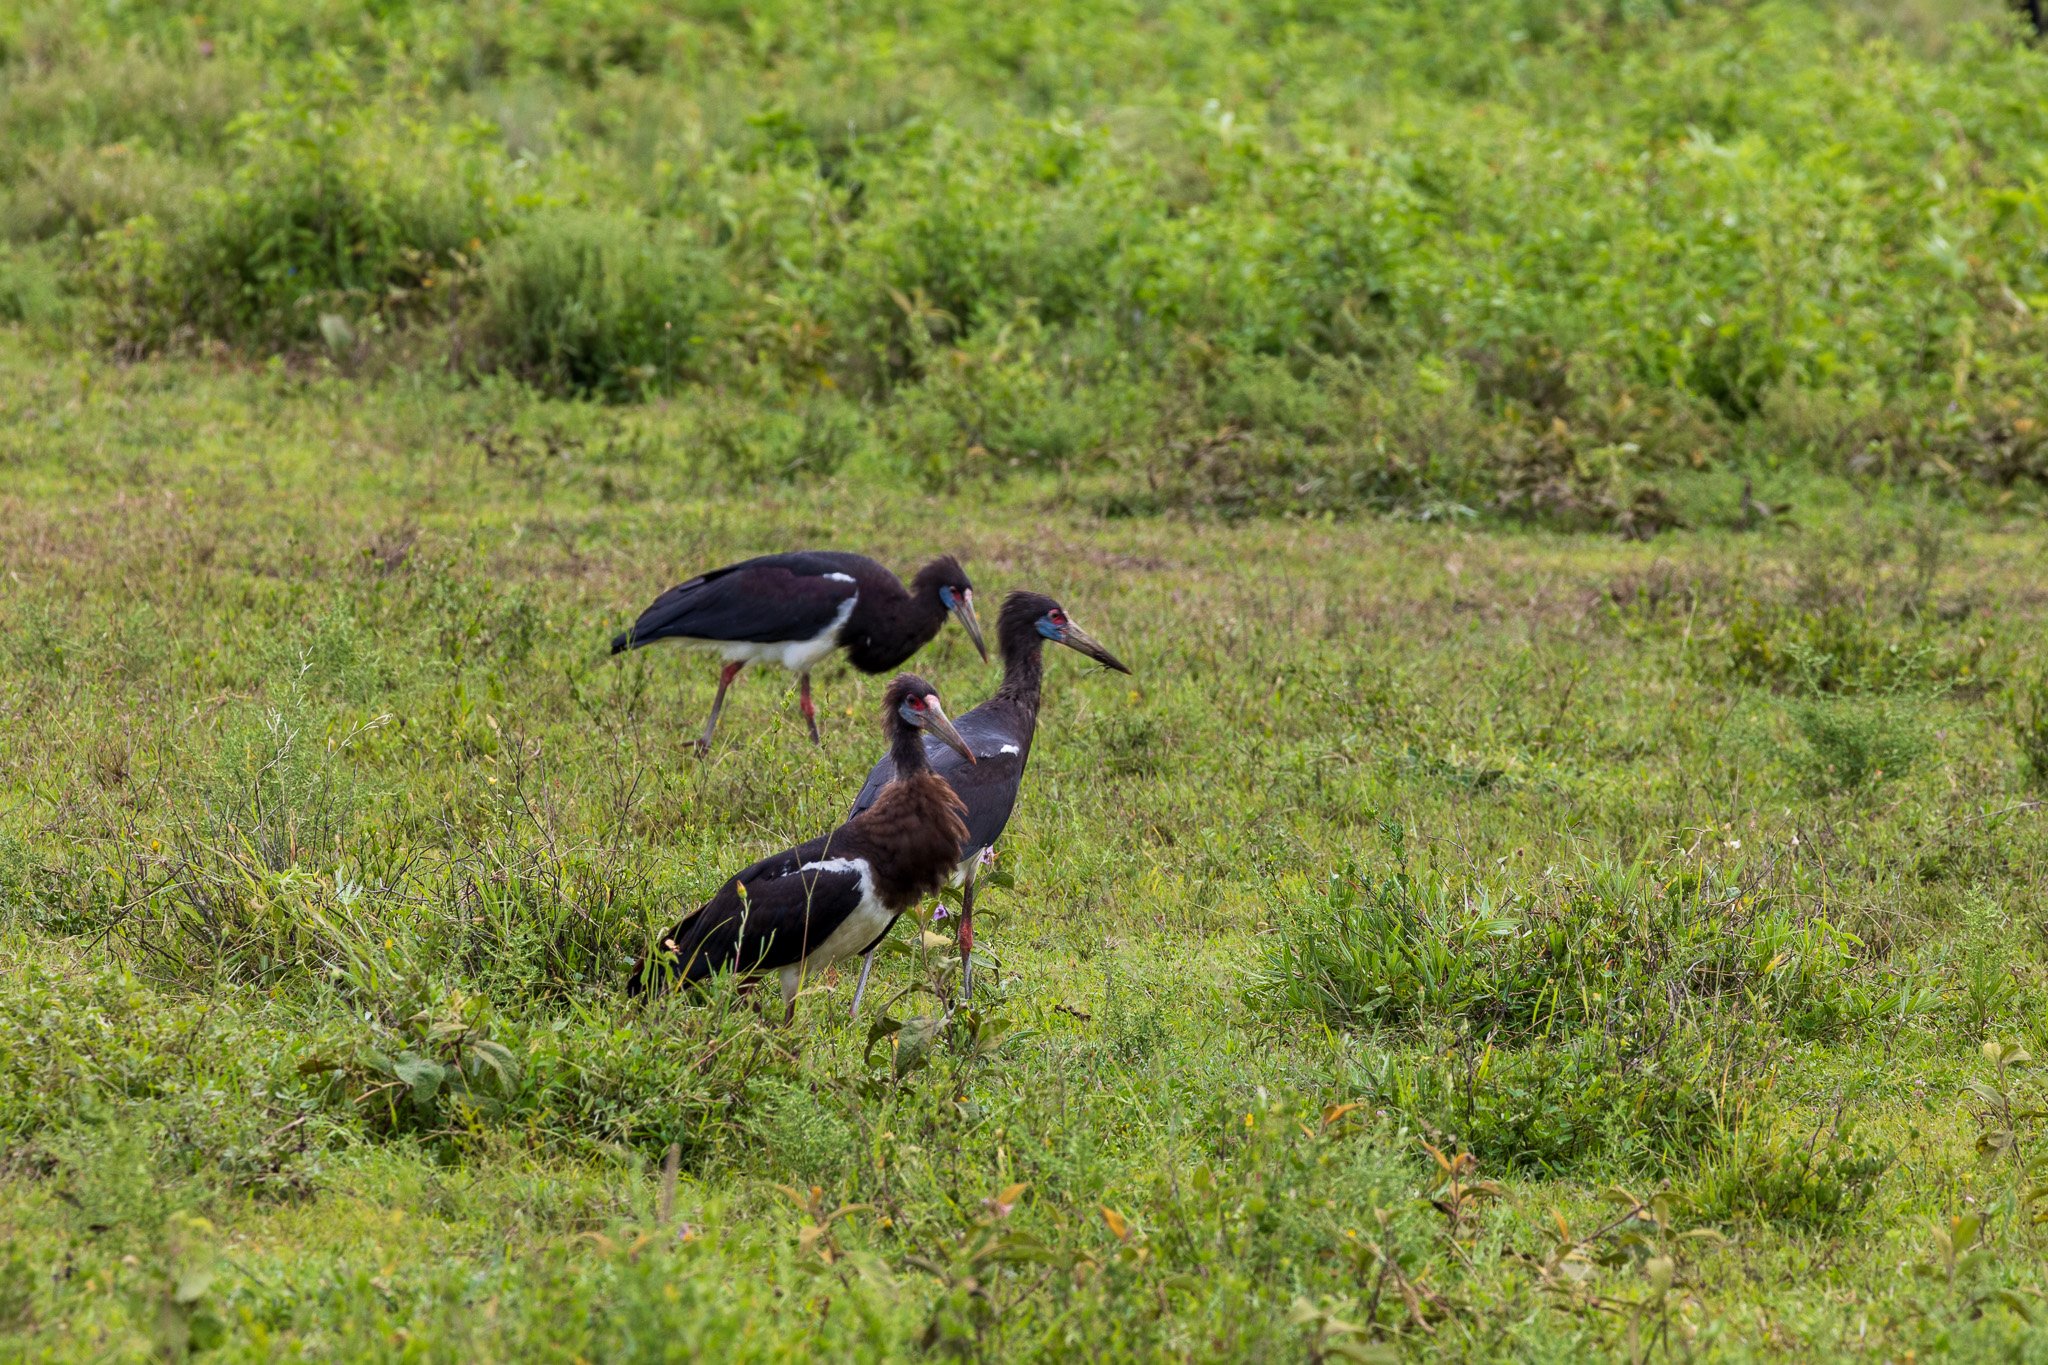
(911, 705)
(945, 582)
(1028, 614)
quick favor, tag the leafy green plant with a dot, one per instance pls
(440, 1071)
(596, 304)
(1841, 649)
(2030, 728)
(33, 290)
(1589, 1102)
(1405, 948)
(1390, 949)
(1770, 1171)
(1852, 744)
(2003, 1116)
(1988, 987)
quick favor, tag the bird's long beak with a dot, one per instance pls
(1074, 637)
(963, 609)
(935, 721)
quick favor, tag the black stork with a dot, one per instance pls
(999, 731)
(795, 609)
(809, 906)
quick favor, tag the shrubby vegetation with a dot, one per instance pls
(1547, 259)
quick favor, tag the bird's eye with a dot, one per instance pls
(917, 703)
(1059, 618)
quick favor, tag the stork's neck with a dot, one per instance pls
(906, 750)
(1023, 669)
(901, 624)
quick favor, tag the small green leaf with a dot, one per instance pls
(877, 1031)
(192, 1286)
(914, 1043)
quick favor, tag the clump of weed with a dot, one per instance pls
(1380, 949)
(339, 658)
(29, 884)
(1852, 743)
(432, 1062)
(1771, 1172)
(33, 289)
(817, 436)
(1645, 1102)
(596, 304)
(1135, 1031)
(324, 216)
(256, 884)
(281, 786)
(439, 1069)
(1986, 987)
(2030, 728)
(1839, 649)
(1407, 949)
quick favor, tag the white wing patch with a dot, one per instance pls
(840, 577)
(857, 866)
(1011, 749)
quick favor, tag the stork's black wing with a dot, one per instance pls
(758, 601)
(1001, 744)
(770, 915)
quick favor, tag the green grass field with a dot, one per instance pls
(1566, 879)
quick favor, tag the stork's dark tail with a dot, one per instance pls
(622, 642)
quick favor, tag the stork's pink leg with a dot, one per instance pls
(803, 701)
(725, 677)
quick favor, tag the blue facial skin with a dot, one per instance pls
(947, 600)
(903, 708)
(1051, 629)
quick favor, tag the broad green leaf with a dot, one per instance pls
(423, 1076)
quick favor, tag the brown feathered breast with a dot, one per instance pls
(911, 837)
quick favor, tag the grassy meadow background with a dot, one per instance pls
(1566, 879)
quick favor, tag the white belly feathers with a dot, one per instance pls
(798, 656)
